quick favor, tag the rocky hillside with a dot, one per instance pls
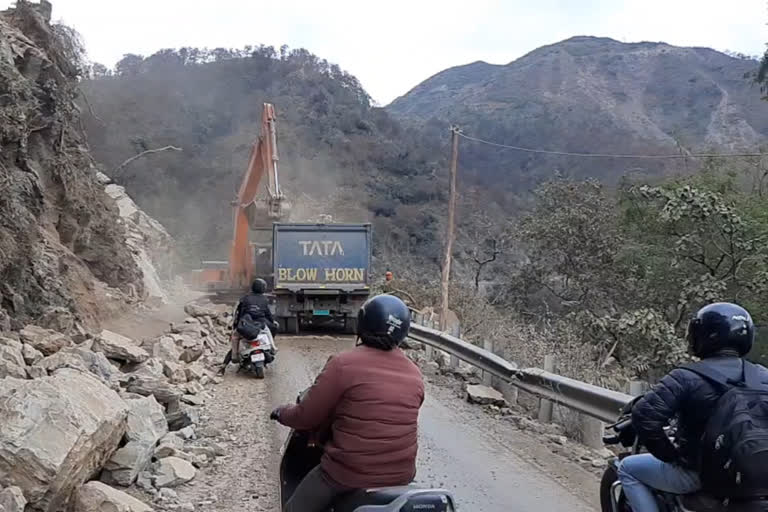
(63, 242)
(87, 416)
(589, 94)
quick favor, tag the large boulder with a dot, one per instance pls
(152, 367)
(172, 472)
(57, 318)
(169, 445)
(175, 372)
(98, 497)
(146, 420)
(10, 342)
(200, 310)
(194, 330)
(165, 349)
(83, 360)
(181, 415)
(56, 433)
(145, 426)
(484, 395)
(195, 371)
(119, 347)
(12, 360)
(125, 465)
(12, 500)
(153, 386)
(31, 354)
(191, 347)
(45, 340)
(36, 372)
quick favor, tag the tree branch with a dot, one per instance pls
(482, 263)
(144, 153)
(406, 294)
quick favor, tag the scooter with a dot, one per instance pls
(612, 498)
(302, 452)
(256, 354)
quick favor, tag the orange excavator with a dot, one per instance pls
(253, 211)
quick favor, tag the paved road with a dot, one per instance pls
(488, 465)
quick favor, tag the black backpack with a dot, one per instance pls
(734, 446)
(249, 328)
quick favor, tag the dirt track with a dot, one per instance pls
(488, 464)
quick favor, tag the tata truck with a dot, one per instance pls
(321, 274)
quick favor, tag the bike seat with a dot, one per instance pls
(396, 499)
(703, 502)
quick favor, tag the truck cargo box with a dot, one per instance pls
(321, 256)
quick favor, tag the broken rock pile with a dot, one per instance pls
(106, 406)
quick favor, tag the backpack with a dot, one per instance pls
(734, 446)
(249, 328)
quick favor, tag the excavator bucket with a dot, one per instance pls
(263, 212)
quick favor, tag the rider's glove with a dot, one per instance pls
(275, 415)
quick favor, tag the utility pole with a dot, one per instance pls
(449, 228)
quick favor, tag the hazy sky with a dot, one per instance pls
(392, 45)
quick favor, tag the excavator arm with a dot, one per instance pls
(250, 210)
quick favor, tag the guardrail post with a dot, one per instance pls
(545, 406)
(429, 350)
(592, 432)
(487, 377)
(455, 332)
(508, 391)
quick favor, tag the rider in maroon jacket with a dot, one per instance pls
(370, 396)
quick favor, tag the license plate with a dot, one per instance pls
(321, 312)
(255, 358)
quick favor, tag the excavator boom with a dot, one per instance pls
(251, 211)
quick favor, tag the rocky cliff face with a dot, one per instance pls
(62, 239)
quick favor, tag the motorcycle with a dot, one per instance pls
(612, 498)
(302, 452)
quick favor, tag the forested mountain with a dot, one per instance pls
(593, 95)
(338, 154)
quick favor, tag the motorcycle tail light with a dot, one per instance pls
(255, 343)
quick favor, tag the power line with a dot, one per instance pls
(608, 155)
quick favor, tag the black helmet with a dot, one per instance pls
(383, 322)
(718, 327)
(259, 286)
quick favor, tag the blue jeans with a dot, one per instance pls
(639, 474)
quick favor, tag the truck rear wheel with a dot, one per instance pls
(292, 325)
(350, 325)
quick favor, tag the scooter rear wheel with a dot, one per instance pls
(259, 372)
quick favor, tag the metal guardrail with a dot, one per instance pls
(588, 399)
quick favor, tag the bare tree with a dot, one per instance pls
(483, 241)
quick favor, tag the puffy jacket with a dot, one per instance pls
(371, 399)
(256, 306)
(689, 397)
